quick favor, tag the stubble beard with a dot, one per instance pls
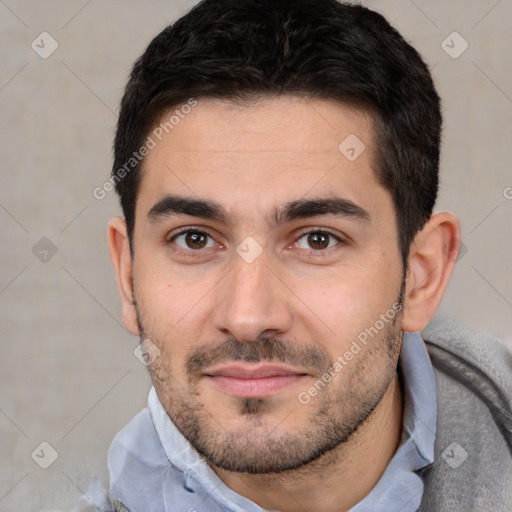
(266, 445)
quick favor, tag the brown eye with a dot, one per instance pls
(196, 240)
(193, 240)
(317, 241)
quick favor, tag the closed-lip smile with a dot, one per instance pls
(253, 380)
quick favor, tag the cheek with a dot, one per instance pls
(165, 295)
(348, 303)
(174, 310)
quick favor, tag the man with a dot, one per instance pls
(277, 165)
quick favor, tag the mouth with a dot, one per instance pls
(253, 380)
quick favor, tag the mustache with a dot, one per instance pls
(264, 349)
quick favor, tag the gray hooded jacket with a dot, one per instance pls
(472, 468)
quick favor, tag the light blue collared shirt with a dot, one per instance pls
(153, 468)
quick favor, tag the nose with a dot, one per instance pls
(252, 301)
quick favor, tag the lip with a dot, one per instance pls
(253, 380)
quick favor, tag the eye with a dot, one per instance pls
(193, 240)
(318, 241)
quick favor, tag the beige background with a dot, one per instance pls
(67, 370)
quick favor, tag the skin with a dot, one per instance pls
(301, 302)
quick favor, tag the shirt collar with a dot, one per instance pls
(420, 404)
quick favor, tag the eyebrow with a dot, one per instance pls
(300, 209)
(304, 208)
(174, 205)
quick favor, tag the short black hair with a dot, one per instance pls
(242, 50)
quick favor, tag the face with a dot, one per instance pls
(267, 271)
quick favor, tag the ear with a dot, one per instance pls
(119, 246)
(432, 257)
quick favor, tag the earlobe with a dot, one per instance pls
(119, 247)
(431, 260)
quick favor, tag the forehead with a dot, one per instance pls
(302, 118)
(262, 154)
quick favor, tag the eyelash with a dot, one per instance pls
(319, 253)
(191, 253)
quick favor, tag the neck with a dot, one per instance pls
(340, 478)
